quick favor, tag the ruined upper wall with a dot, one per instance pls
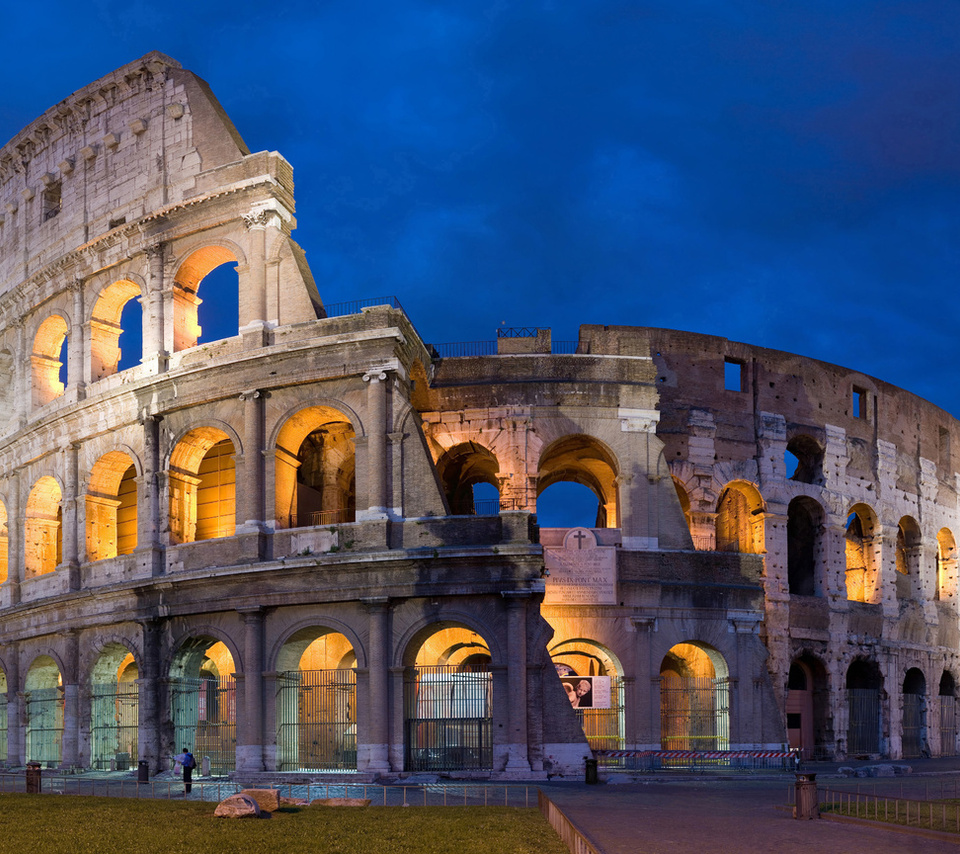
(126, 145)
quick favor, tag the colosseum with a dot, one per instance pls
(312, 546)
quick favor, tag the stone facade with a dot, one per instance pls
(267, 548)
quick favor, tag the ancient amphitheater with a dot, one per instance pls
(272, 548)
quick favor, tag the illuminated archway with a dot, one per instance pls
(114, 709)
(112, 507)
(202, 486)
(694, 698)
(862, 560)
(4, 546)
(43, 712)
(47, 359)
(315, 472)
(448, 701)
(186, 302)
(203, 702)
(946, 566)
(584, 460)
(43, 528)
(461, 468)
(740, 519)
(106, 327)
(316, 702)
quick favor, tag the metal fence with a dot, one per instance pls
(863, 734)
(948, 725)
(926, 814)
(44, 718)
(912, 725)
(604, 728)
(204, 714)
(341, 309)
(317, 720)
(113, 727)
(694, 713)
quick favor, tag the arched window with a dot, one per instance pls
(946, 565)
(582, 460)
(740, 519)
(463, 467)
(202, 487)
(862, 541)
(112, 507)
(804, 458)
(43, 535)
(48, 360)
(222, 315)
(111, 320)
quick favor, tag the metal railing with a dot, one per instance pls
(342, 309)
(924, 814)
(520, 331)
(460, 349)
(568, 832)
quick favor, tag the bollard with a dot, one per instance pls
(808, 802)
(143, 771)
(33, 778)
(591, 771)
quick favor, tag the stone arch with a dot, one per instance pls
(460, 468)
(808, 453)
(48, 343)
(805, 547)
(583, 459)
(946, 589)
(315, 468)
(908, 555)
(947, 695)
(809, 727)
(111, 504)
(105, 326)
(43, 528)
(195, 266)
(864, 686)
(862, 539)
(202, 484)
(44, 711)
(316, 701)
(4, 544)
(114, 708)
(914, 719)
(694, 698)
(739, 525)
(684, 498)
(278, 655)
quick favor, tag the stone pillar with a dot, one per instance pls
(253, 293)
(70, 753)
(11, 589)
(250, 748)
(516, 741)
(22, 380)
(70, 532)
(75, 346)
(250, 480)
(373, 754)
(156, 348)
(150, 554)
(15, 733)
(376, 445)
(148, 688)
(646, 734)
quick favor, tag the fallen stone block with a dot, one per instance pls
(238, 806)
(340, 802)
(267, 799)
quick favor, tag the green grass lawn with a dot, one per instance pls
(77, 825)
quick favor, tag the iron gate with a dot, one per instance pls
(948, 725)
(204, 715)
(44, 719)
(448, 717)
(3, 725)
(912, 725)
(863, 734)
(113, 728)
(316, 720)
(694, 713)
(604, 728)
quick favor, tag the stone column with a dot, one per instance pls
(646, 732)
(250, 480)
(376, 444)
(75, 346)
(156, 348)
(15, 733)
(11, 589)
(516, 742)
(70, 532)
(253, 293)
(373, 754)
(250, 749)
(22, 380)
(148, 688)
(70, 755)
(148, 497)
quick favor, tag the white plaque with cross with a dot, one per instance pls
(581, 572)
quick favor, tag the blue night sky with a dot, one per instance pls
(778, 173)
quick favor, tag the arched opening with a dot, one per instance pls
(316, 469)
(203, 703)
(202, 487)
(43, 528)
(914, 731)
(694, 699)
(215, 268)
(862, 541)
(316, 702)
(807, 708)
(740, 519)
(4, 546)
(805, 460)
(48, 359)
(804, 526)
(116, 318)
(448, 701)
(3, 713)
(114, 709)
(908, 558)
(43, 711)
(864, 684)
(593, 680)
(461, 469)
(579, 460)
(948, 714)
(684, 500)
(112, 507)
(946, 566)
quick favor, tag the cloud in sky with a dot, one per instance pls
(783, 174)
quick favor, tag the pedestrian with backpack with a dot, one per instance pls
(187, 763)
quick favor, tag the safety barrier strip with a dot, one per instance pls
(697, 754)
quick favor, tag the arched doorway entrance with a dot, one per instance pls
(948, 714)
(863, 703)
(203, 702)
(593, 680)
(694, 699)
(43, 706)
(316, 702)
(914, 732)
(448, 701)
(114, 709)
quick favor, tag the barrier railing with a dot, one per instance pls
(665, 760)
(568, 832)
(341, 309)
(928, 815)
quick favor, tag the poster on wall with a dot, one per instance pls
(587, 692)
